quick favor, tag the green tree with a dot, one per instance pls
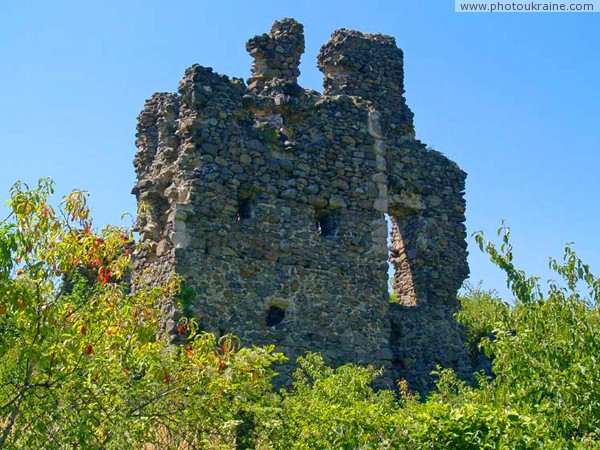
(546, 349)
(84, 361)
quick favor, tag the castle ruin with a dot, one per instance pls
(270, 201)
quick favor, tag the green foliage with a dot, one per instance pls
(85, 364)
(546, 348)
(480, 312)
(461, 417)
(267, 133)
(185, 299)
(333, 409)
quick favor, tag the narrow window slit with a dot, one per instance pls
(400, 264)
(244, 210)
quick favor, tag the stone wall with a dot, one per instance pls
(269, 200)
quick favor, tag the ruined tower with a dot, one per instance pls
(270, 201)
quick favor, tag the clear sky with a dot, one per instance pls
(513, 98)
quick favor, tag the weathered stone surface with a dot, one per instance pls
(269, 200)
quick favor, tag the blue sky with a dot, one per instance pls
(513, 98)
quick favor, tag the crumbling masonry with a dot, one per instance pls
(270, 201)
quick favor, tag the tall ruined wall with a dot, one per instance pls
(269, 200)
(425, 203)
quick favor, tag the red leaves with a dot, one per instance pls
(228, 345)
(104, 275)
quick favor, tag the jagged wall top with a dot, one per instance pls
(358, 64)
(368, 66)
(277, 54)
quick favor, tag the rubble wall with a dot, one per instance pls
(270, 201)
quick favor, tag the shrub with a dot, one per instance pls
(84, 361)
(546, 347)
(480, 312)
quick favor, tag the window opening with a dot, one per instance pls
(275, 315)
(244, 210)
(401, 285)
(326, 225)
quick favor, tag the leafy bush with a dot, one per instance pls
(462, 417)
(330, 408)
(546, 348)
(480, 311)
(84, 363)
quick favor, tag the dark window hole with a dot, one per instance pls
(244, 210)
(326, 225)
(275, 315)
